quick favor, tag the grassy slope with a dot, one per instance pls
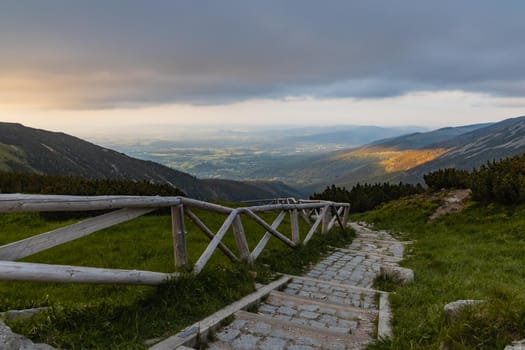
(107, 316)
(477, 254)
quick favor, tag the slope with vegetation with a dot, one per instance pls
(500, 182)
(477, 253)
(475, 148)
(474, 254)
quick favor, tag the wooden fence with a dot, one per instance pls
(314, 213)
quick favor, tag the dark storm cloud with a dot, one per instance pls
(108, 53)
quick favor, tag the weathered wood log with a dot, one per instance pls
(44, 241)
(205, 205)
(310, 233)
(327, 217)
(270, 229)
(260, 246)
(195, 219)
(273, 207)
(305, 217)
(294, 223)
(240, 239)
(338, 214)
(346, 216)
(34, 202)
(179, 237)
(206, 255)
(335, 217)
(21, 271)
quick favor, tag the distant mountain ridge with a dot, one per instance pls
(24, 149)
(472, 149)
(359, 135)
(402, 158)
(420, 140)
(408, 157)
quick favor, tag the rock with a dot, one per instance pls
(396, 273)
(516, 345)
(452, 309)
(152, 341)
(12, 341)
(22, 314)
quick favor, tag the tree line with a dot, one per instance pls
(500, 182)
(365, 197)
(70, 185)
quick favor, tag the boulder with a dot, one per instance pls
(12, 341)
(12, 315)
(516, 345)
(397, 274)
(452, 309)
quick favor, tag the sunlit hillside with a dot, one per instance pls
(391, 159)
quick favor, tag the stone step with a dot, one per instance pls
(382, 236)
(255, 331)
(369, 246)
(327, 291)
(371, 238)
(373, 254)
(348, 267)
(320, 314)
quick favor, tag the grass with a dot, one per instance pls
(476, 254)
(122, 317)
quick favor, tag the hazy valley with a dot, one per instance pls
(273, 162)
(309, 159)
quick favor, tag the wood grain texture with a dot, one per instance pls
(21, 271)
(198, 222)
(262, 243)
(179, 237)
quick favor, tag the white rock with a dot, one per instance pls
(396, 273)
(12, 341)
(453, 308)
(22, 314)
(516, 345)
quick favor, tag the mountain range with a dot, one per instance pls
(477, 147)
(29, 150)
(407, 158)
(401, 158)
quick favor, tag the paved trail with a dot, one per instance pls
(332, 307)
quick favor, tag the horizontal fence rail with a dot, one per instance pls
(318, 215)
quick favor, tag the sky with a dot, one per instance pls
(125, 66)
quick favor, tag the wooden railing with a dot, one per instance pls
(314, 213)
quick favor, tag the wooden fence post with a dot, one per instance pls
(294, 222)
(179, 237)
(346, 216)
(240, 239)
(326, 220)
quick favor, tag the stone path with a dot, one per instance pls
(332, 307)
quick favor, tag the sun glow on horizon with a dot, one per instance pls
(428, 109)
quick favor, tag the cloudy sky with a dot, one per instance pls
(92, 65)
